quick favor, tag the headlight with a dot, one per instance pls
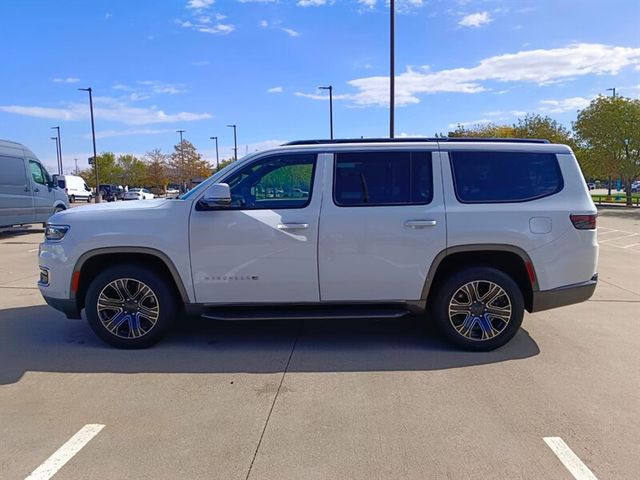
(55, 232)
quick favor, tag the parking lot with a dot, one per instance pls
(324, 400)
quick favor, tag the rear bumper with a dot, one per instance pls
(567, 295)
(67, 306)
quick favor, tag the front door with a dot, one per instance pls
(263, 247)
(383, 227)
(43, 194)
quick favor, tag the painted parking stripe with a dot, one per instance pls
(569, 459)
(65, 453)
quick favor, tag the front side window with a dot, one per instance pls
(500, 177)
(36, 172)
(383, 178)
(281, 181)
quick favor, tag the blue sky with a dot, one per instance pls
(198, 65)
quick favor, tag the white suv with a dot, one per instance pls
(469, 232)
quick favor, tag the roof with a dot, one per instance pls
(415, 140)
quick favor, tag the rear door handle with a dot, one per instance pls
(420, 223)
(36, 189)
(292, 226)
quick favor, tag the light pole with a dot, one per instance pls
(57, 152)
(330, 88)
(93, 136)
(392, 67)
(235, 142)
(76, 160)
(217, 156)
(59, 146)
(613, 91)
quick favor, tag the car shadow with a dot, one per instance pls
(37, 338)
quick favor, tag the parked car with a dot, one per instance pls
(74, 186)
(591, 185)
(172, 192)
(466, 232)
(28, 194)
(111, 192)
(138, 194)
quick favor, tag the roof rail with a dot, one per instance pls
(10, 141)
(415, 140)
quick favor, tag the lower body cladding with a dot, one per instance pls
(542, 300)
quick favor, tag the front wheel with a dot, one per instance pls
(130, 306)
(479, 308)
(72, 199)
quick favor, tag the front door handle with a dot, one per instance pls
(292, 226)
(420, 223)
(36, 189)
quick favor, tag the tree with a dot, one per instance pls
(188, 164)
(537, 126)
(133, 171)
(157, 173)
(483, 130)
(108, 170)
(609, 129)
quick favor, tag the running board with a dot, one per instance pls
(305, 313)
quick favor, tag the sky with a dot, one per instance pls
(199, 65)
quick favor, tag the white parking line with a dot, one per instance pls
(569, 459)
(65, 453)
(33, 250)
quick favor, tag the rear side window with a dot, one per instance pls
(383, 178)
(499, 177)
(12, 169)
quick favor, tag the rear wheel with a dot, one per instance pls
(130, 306)
(72, 199)
(479, 308)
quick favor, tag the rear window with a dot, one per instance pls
(498, 177)
(383, 178)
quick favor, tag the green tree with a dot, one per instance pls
(483, 130)
(186, 164)
(543, 127)
(108, 170)
(133, 172)
(609, 130)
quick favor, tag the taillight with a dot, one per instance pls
(584, 222)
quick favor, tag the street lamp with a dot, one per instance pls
(235, 142)
(392, 67)
(60, 165)
(93, 135)
(330, 88)
(613, 90)
(57, 152)
(217, 156)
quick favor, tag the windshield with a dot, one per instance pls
(212, 179)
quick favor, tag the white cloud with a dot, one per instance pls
(264, 24)
(540, 67)
(200, 63)
(108, 15)
(368, 3)
(109, 109)
(275, 90)
(291, 32)
(219, 29)
(318, 96)
(128, 132)
(66, 80)
(198, 4)
(408, 6)
(144, 89)
(311, 3)
(476, 20)
(564, 105)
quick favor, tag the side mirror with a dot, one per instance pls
(217, 195)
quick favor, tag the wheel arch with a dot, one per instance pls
(510, 259)
(93, 261)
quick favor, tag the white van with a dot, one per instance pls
(27, 191)
(74, 186)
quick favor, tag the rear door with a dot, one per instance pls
(16, 203)
(382, 224)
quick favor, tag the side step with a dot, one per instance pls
(302, 313)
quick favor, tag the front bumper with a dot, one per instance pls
(562, 296)
(67, 306)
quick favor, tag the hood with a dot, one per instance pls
(110, 210)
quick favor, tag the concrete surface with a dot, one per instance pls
(326, 400)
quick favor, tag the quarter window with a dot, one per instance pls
(281, 181)
(383, 178)
(500, 177)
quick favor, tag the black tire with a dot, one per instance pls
(89, 199)
(123, 337)
(58, 209)
(478, 330)
(72, 199)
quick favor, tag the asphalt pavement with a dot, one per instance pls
(324, 400)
